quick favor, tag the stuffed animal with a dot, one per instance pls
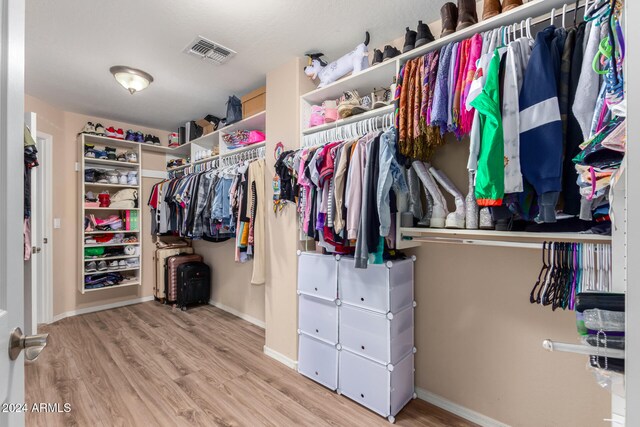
(353, 62)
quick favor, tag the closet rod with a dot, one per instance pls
(499, 243)
(582, 349)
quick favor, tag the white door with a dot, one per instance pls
(12, 23)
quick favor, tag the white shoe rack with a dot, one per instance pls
(133, 274)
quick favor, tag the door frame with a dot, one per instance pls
(12, 29)
(44, 285)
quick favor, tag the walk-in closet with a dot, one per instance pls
(362, 213)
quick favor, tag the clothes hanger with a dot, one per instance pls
(552, 16)
(564, 14)
(539, 283)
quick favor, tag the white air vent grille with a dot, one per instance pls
(206, 49)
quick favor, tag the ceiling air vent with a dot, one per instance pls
(206, 49)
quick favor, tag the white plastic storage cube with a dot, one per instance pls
(318, 360)
(318, 318)
(385, 338)
(374, 386)
(380, 287)
(318, 275)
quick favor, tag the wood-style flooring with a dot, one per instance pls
(150, 365)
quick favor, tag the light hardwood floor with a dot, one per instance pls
(149, 365)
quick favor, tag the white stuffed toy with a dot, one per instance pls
(353, 62)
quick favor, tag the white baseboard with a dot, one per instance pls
(100, 308)
(459, 410)
(280, 358)
(259, 323)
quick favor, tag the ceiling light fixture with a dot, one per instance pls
(132, 79)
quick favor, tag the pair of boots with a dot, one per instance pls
(492, 8)
(414, 39)
(440, 217)
(380, 56)
(458, 17)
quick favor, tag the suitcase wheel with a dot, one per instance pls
(184, 308)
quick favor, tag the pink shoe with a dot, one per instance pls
(317, 118)
(330, 111)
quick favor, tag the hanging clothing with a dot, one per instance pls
(541, 127)
(256, 180)
(489, 188)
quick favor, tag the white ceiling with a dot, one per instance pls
(70, 46)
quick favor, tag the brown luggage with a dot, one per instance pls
(161, 255)
(171, 273)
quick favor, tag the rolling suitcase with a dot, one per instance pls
(194, 284)
(161, 255)
(171, 273)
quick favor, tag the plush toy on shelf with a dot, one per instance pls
(353, 62)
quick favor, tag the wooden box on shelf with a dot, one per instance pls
(254, 102)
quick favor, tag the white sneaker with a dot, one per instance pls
(132, 178)
(113, 265)
(132, 263)
(122, 177)
(122, 264)
(112, 176)
(132, 157)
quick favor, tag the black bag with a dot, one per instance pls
(194, 284)
(195, 131)
(215, 121)
(234, 110)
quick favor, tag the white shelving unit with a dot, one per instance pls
(214, 142)
(133, 275)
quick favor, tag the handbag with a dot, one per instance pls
(234, 110)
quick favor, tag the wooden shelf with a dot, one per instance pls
(121, 285)
(111, 209)
(106, 162)
(111, 258)
(352, 119)
(97, 184)
(111, 232)
(116, 270)
(110, 245)
(449, 235)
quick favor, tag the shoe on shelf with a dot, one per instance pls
(122, 177)
(132, 178)
(110, 132)
(91, 267)
(148, 139)
(90, 153)
(389, 52)
(99, 129)
(122, 157)
(133, 263)
(449, 17)
(111, 153)
(317, 116)
(409, 40)
(454, 219)
(377, 57)
(102, 266)
(140, 137)
(365, 105)
(156, 140)
(348, 101)
(112, 176)
(89, 175)
(508, 5)
(89, 128)
(490, 8)
(439, 211)
(486, 220)
(131, 136)
(130, 239)
(90, 197)
(132, 157)
(119, 134)
(381, 97)
(113, 265)
(424, 35)
(467, 15)
(122, 264)
(102, 155)
(330, 111)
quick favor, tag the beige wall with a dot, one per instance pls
(285, 84)
(64, 126)
(231, 281)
